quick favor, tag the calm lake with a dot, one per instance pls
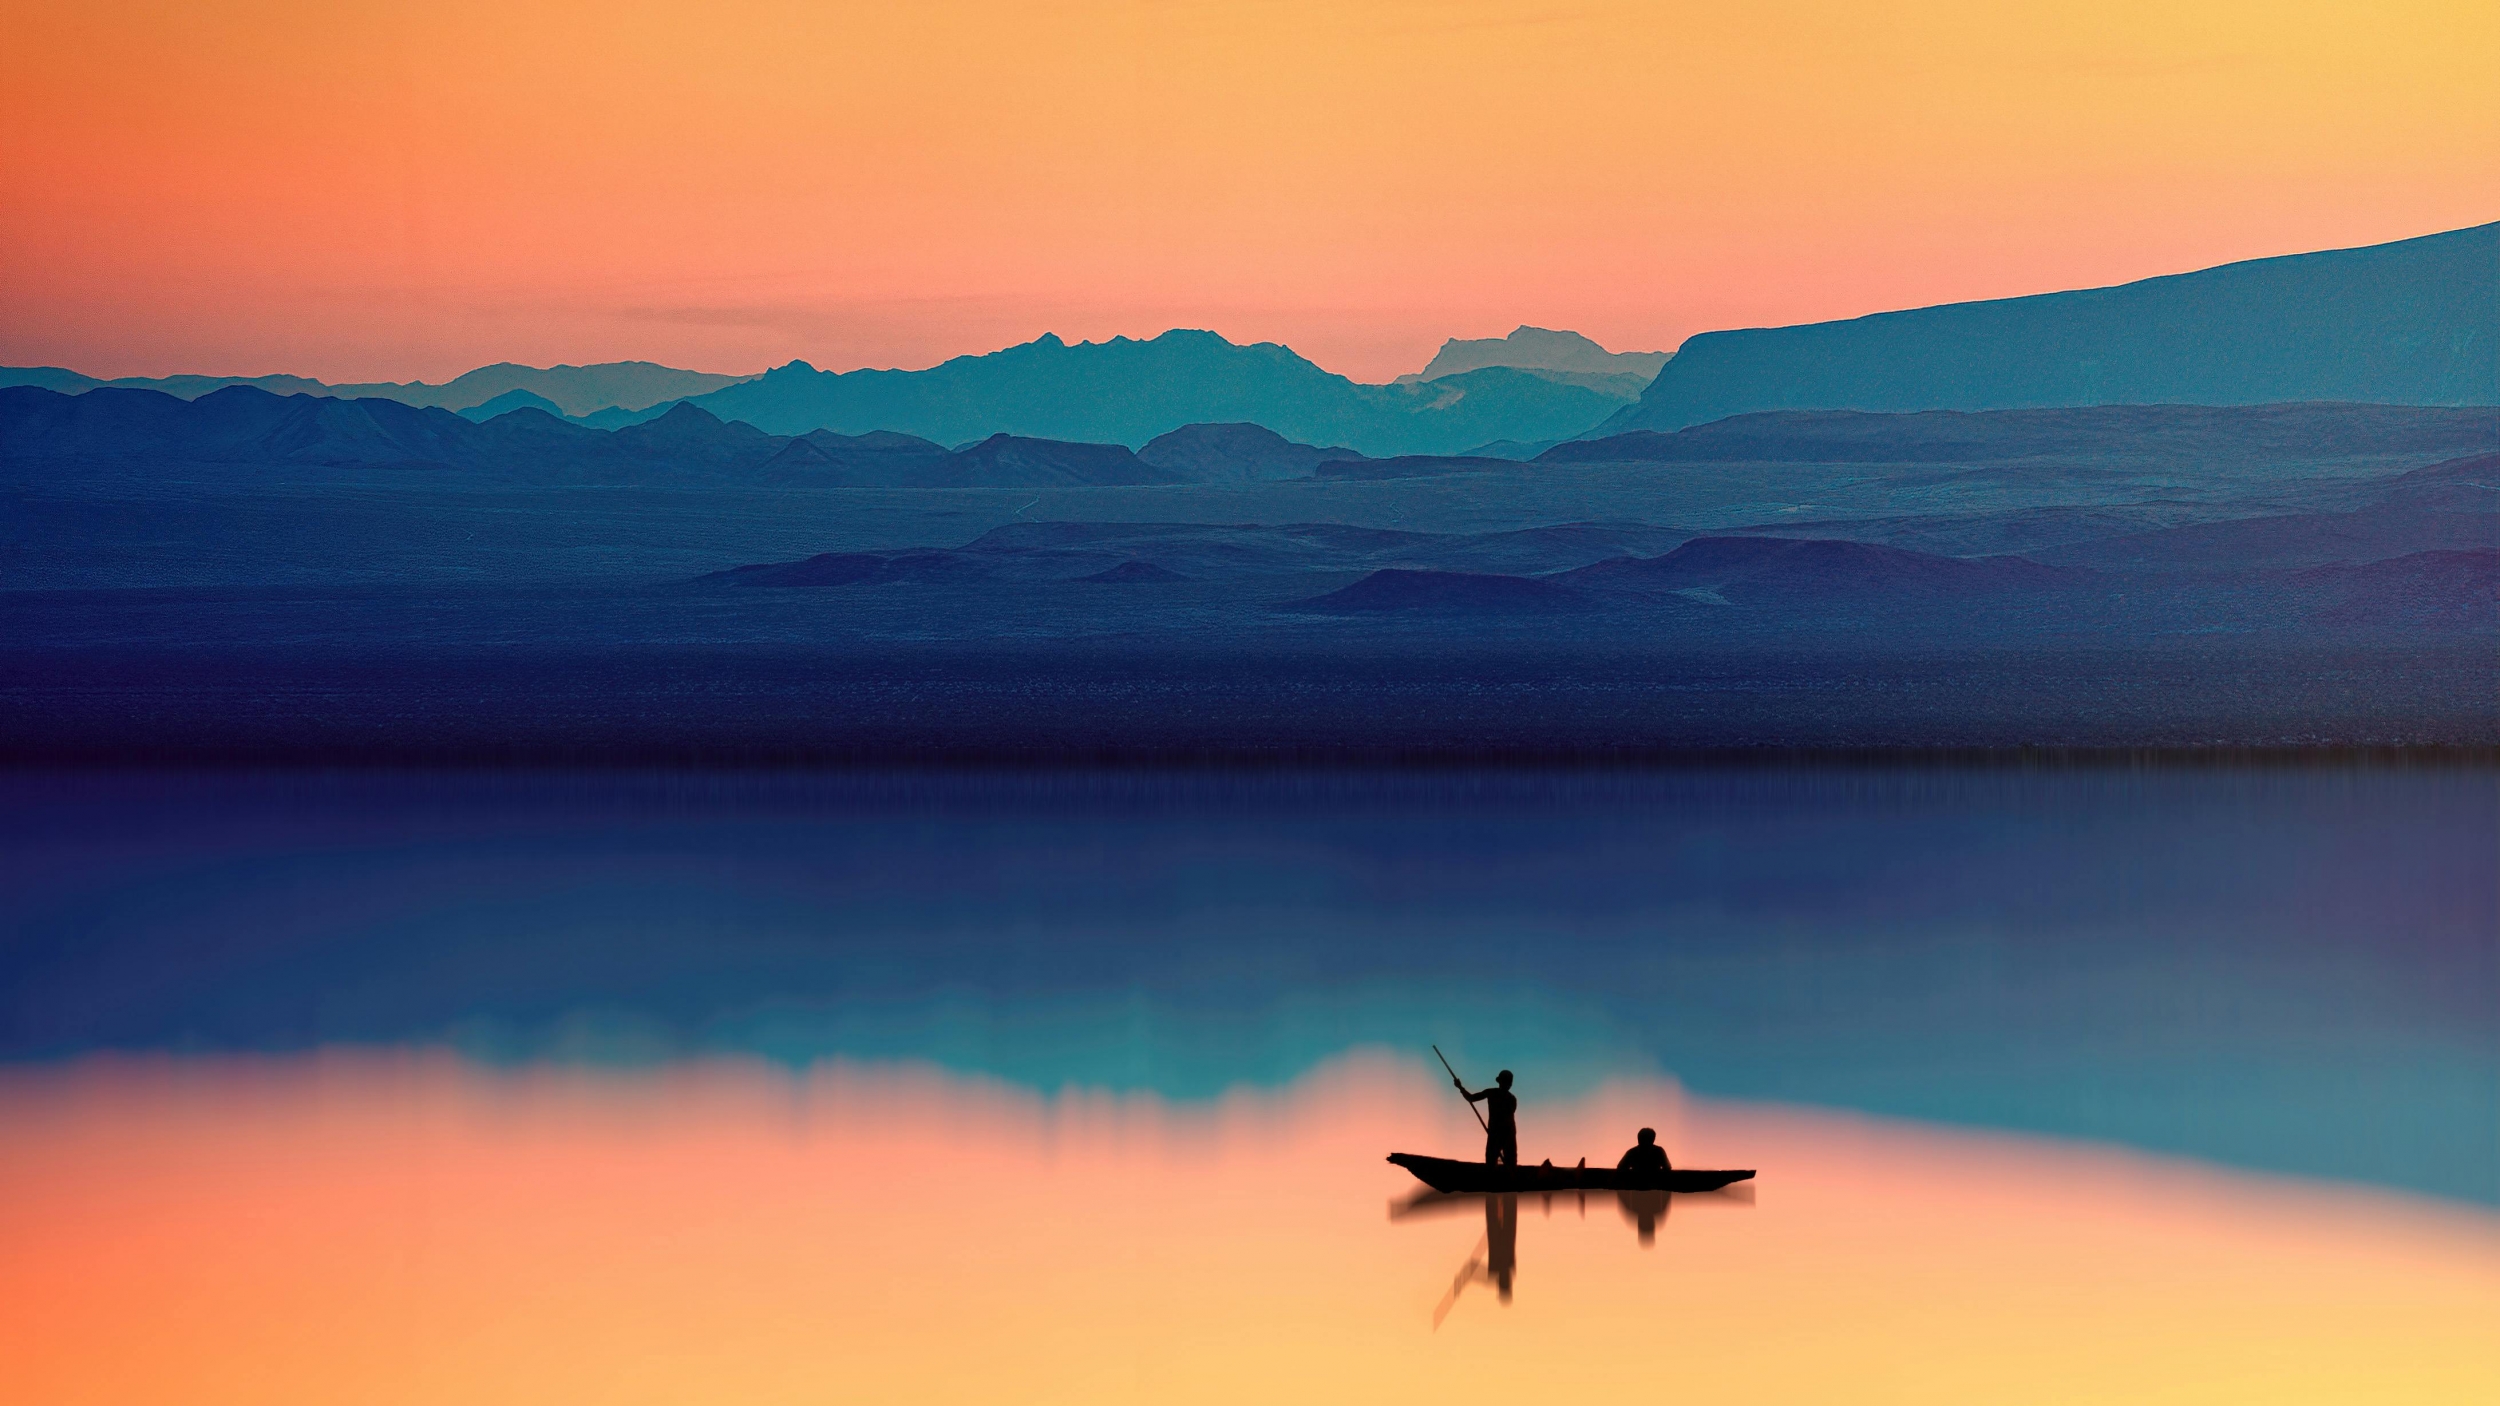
(2090, 1085)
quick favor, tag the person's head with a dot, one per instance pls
(1502, 1078)
(1648, 1136)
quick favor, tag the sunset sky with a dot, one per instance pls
(361, 190)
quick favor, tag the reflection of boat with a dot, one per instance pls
(1446, 1174)
(1496, 1259)
(1644, 1209)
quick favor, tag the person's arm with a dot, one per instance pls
(1471, 1098)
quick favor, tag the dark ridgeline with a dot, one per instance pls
(2091, 434)
(1213, 407)
(1409, 591)
(1236, 453)
(1733, 569)
(509, 401)
(1134, 573)
(616, 388)
(246, 426)
(2407, 323)
(1127, 391)
(1004, 458)
(1412, 466)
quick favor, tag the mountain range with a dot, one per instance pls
(565, 390)
(2408, 323)
(147, 431)
(2413, 322)
(247, 574)
(1121, 391)
(1127, 391)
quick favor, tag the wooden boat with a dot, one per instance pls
(1446, 1174)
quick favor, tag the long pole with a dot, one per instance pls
(1462, 1088)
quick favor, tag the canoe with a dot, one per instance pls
(1446, 1174)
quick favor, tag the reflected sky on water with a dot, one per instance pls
(417, 1227)
(2062, 1085)
(2284, 970)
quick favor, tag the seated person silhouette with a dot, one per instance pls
(1644, 1209)
(1501, 1122)
(1646, 1156)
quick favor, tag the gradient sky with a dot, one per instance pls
(366, 190)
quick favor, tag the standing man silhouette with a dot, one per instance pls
(1501, 1120)
(1501, 1242)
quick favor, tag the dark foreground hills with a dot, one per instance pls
(2143, 433)
(146, 432)
(1120, 392)
(2408, 323)
(254, 576)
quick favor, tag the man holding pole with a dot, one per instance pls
(1501, 1125)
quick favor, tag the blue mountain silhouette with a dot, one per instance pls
(242, 425)
(567, 390)
(1129, 392)
(2407, 323)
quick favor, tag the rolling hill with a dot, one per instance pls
(2188, 432)
(240, 425)
(2408, 323)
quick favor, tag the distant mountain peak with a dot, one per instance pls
(686, 412)
(517, 398)
(1539, 349)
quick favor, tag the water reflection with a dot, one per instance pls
(414, 1228)
(2296, 971)
(1495, 1259)
(1644, 1209)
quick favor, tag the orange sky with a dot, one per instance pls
(356, 189)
